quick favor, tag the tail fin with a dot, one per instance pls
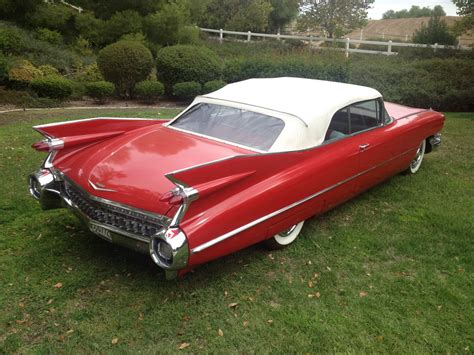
(79, 132)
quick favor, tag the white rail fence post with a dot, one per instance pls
(221, 35)
(389, 47)
(278, 35)
(348, 42)
(249, 36)
(435, 48)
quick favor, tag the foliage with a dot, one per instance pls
(149, 90)
(90, 28)
(104, 9)
(189, 35)
(435, 32)
(23, 73)
(52, 37)
(11, 41)
(100, 90)
(465, 9)
(17, 9)
(4, 67)
(184, 63)
(54, 87)
(54, 17)
(90, 73)
(283, 11)
(125, 63)
(252, 17)
(304, 67)
(212, 86)
(187, 90)
(47, 70)
(415, 12)
(122, 23)
(242, 15)
(164, 27)
(335, 17)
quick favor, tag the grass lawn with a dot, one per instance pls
(390, 271)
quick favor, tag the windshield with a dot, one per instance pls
(231, 124)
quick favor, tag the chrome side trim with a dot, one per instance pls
(189, 195)
(95, 187)
(95, 119)
(227, 235)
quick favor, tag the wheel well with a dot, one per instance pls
(428, 147)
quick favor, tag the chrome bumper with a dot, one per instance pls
(48, 187)
(435, 141)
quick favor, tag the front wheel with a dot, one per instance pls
(416, 162)
(284, 238)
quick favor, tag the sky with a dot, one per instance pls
(380, 6)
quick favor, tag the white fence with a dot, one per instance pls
(347, 41)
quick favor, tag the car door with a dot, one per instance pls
(377, 140)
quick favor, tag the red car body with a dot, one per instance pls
(139, 183)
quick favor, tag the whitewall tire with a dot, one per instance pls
(416, 162)
(284, 238)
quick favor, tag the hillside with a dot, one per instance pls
(403, 29)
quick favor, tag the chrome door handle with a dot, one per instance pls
(364, 146)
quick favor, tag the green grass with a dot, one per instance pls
(407, 245)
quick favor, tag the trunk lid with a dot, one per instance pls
(130, 168)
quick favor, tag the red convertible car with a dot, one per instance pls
(248, 163)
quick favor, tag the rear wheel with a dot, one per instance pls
(284, 238)
(416, 162)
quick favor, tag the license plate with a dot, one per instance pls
(101, 231)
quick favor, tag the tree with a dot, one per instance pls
(465, 9)
(17, 9)
(335, 17)
(283, 12)
(253, 17)
(436, 32)
(122, 23)
(415, 12)
(164, 27)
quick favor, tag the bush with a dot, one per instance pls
(187, 90)
(90, 73)
(11, 41)
(47, 70)
(122, 23)
(213, 85)
(149, 90)
(334, 69)
(125, 64)
(188, 35)
(435, 32)
(54, 87)
(4, 67)
(100, 90)
(22, 74)
(183, 63)
(166, 26)
(53, 37)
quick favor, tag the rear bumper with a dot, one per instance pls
(434, 141)
(48, 186)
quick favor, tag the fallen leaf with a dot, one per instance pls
(141, 316)
(70, 331)
(309, 262)
(233, 305)
(246, 323)
(271, 257)
(310, 284)
(327, 267)
(270, 321)
(220, 332)
(183, 346)
(225, 293)
(114, 341)
(363, 293)
(21, 305)
(58, 285)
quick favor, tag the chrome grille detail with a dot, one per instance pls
(125, 219)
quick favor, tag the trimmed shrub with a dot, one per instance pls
(149, 90)
(183, 63)
(213, 85)
(188, 35)
(186, 90)
(54, 87)
(11, 41)
(4, 67)
(100, 90)
(22, 74)
(125, 64)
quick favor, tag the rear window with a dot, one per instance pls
(231, 124)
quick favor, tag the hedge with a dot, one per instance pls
(149, 91)
(54, 87)
(100, 90)
(214, 85)
(186, 63)
(187, 90)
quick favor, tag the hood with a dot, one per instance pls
(130, 168)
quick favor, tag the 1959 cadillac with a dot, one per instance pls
(245, 164)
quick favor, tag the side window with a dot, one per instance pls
(339, 126)
(365, 115)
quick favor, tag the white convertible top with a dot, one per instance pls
(307, 103)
